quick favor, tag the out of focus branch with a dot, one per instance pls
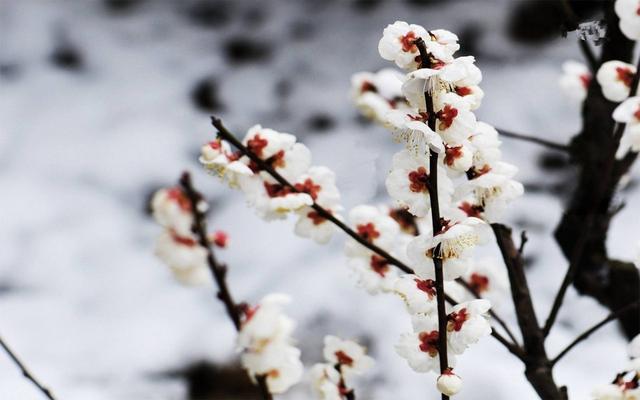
(218, 270)
(534, 139)
(25, 371)
(583, 336)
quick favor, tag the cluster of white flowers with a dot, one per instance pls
(271, 199)
(177, 246)
(474, 187)
(266, 345)
(345, 359)
(629, 13)
(626, 384)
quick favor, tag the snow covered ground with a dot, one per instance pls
(96, 111)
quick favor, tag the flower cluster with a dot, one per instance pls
(266, 345)
(345, 359)
(177, 246)
(629, 13)
(474, 187)
(271, 199)
(626, 385)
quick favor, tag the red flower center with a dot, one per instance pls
(452, 154)
(405, 219)
(277, 160)
(343, 358)
(379, 265)
(276, 189)
(368, 87)
(407, 42)
(256, 144)
(429, 342)
(463, 90)
(479, 283)
(428, 286)
(308, 186)
(419, 180)
(446, 116)
(176, 194)
(457, 319)
(215, 144)
(636, 114)
(625, 75)
(316, 217)
(368, 231)
(585, 79)
(183, 240)
(472, 210)
(220, 239)
(474, 172)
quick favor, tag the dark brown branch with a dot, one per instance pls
(228, 136)
(436, 224)
(25, 371)
(534, 139)
(493, 314)
(568, 277)
(584, 335)
(537, 365)
(218, 270)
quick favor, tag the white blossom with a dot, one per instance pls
(217, 158)
(467, 323)
(615, 78)
(488, 278)
(186, 259)
(279, 363)
(486, 145)
(418, 294)
(172, 209)
(408, 183)
(373, 273)
(575, 80)
(375, 94)
(629, 13)
(325, 381)
(373, 226)
(455, 121)
(311, 224)
(449, 383)
(628, 113)
(397, 44)
(351, 357)
(420, 347)
(411, 129)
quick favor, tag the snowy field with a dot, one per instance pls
(97, 110)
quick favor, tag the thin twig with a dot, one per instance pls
(569, 276)
(25, 371)
(493, 314)
(324, 213)
(218, 270)
(523, 240)
(611, 317)
(534, 139)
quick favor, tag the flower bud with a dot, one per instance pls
(449, 383)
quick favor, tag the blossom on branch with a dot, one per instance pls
(615, 78)
(629, 14)
(575, 80)
(628, 113)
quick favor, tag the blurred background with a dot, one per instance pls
(104, 101)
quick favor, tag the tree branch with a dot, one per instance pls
(569, 276)
(584, 335)
(25, 371)
(533, 139)
(218, 270)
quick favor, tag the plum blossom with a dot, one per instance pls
(311, 224)
(411, 129)
(628, 113)
(456, 240)
(265, 342)
(351, 356)
(458, 159)
(420, 347)
(629, 13)
(172, 209)
(615, 78)
(218, 159)
(455, 121)
(419, 295)
(449, 383)
(372, 225)
(488, 191)
(486, 145)
(397, 44)
(488, 278)
(325, 381)
(575, 80)
(376, 94)
(186, 259)
(467, 323)
(408, 183)
(373, 273)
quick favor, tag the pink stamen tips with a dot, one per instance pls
(446, 116)
(457, 319)
(429, 342)
(428, 286)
